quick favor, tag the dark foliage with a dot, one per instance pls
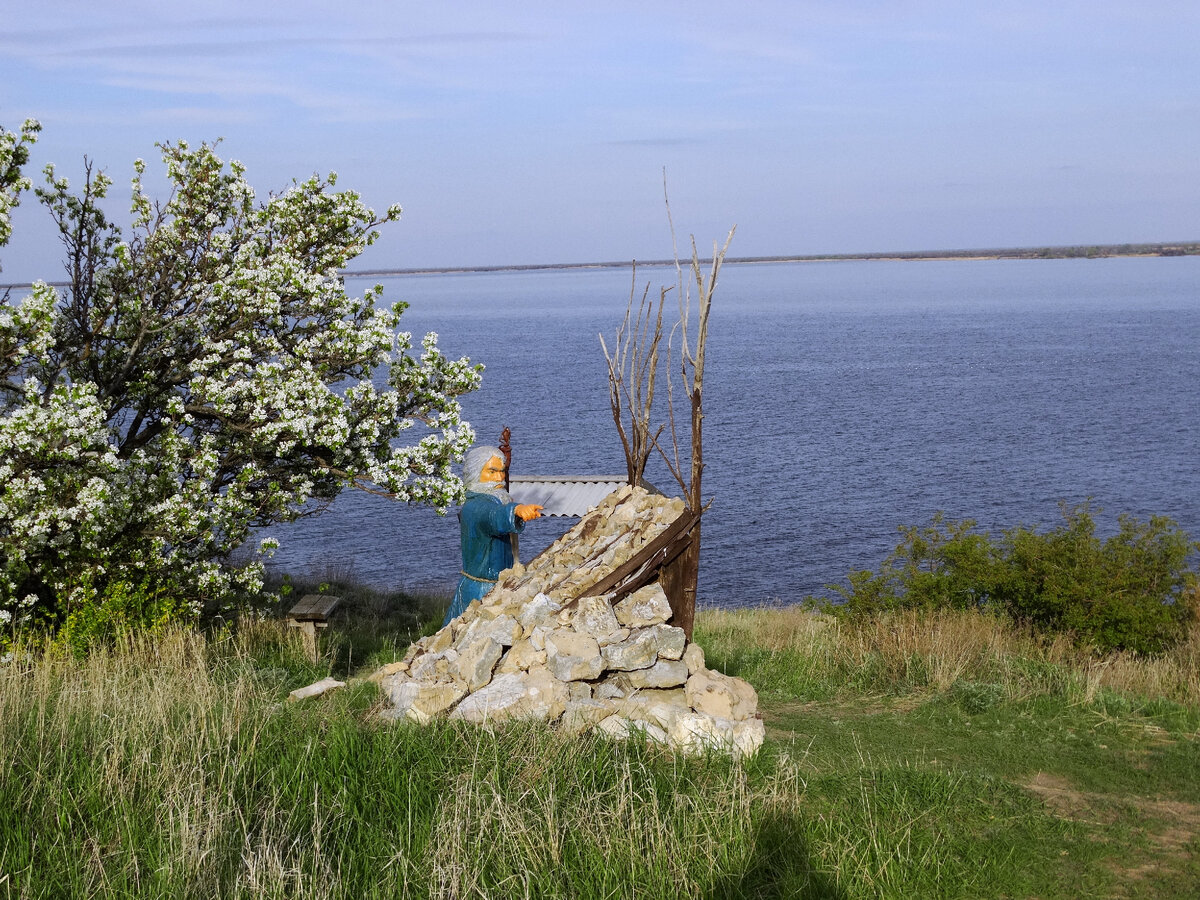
(1131, 591)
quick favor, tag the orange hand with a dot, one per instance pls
(527, 511)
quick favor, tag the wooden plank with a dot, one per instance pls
(314, 607)
(643, 567)
(659, 567)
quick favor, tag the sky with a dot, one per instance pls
(528, 133)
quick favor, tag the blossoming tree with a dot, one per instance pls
(204, 375)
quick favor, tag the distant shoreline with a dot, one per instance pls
(1078, 251)
(1081, 251)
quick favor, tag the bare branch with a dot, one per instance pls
(632, 372)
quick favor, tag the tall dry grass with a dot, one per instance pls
(139, 743)
(792, 648)
(564, 820)
(170, 766)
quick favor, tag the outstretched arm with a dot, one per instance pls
(528, 511)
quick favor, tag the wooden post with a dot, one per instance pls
(678, 579)
(506, 449)
(311, 612)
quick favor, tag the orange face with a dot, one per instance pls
(493, 470)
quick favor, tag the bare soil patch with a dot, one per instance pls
(859, 707)
(1068, 803)
(1171, 826)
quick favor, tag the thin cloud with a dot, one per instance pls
(252, 47)
(655, 142)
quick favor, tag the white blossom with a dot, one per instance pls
(214, 375)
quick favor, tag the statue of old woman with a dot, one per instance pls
(487, 520)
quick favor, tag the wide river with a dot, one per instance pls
(842, 400)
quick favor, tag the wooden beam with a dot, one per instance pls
(644, 566)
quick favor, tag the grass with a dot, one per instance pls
(950, 754)
(944, 755)
(790, 652)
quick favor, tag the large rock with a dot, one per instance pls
(476, 662)
(388, 669)
(420, 701)
(646, 606)
(720, 695)
(521, 657)
(671, 641)
(639, 652)
(435, 666)
(504, 630)
(424, 666)
(503, 698)
(661, 708)
(572, 656)
(613, 637)
(614, 726)
(666, 673)
(594, 616)
(579, 690)
(644, 647)
(548, 696)
(536, 695)
(696, 732)
(537, 612)
(608, 690)
(439, 641)
(580, 715)
(316, 689)
(621, 728)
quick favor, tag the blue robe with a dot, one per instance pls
(485, 523)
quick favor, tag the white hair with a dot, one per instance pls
(472, 470)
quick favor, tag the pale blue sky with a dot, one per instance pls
(537, 133)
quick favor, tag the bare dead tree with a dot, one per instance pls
(681, 578)
(632, 370)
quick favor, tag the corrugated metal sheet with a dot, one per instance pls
(565, 495)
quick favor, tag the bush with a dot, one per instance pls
(120, 607)
(945, 565)
(1129, 592)
(1133, 591)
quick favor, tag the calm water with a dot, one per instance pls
(843, 400)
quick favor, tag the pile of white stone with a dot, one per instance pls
(535, 648)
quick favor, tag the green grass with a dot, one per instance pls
(950, 755)
(938, 757)
(174, 768)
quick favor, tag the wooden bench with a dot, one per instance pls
(311, 612)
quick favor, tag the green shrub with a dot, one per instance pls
(1133, 591)
(977, 696)
(121, 607)
(945, 565)
(1126, 593)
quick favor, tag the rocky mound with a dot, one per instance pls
(537, 647)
